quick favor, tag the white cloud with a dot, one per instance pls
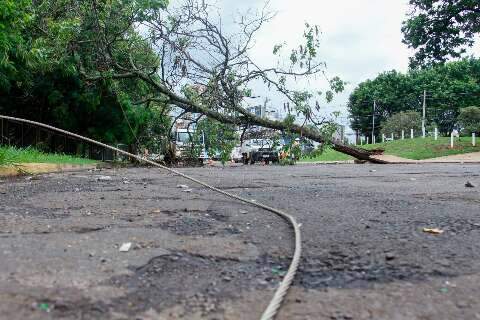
(360, 38)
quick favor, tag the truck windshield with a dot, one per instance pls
(183, 137)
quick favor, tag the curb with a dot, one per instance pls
(39, 168)
(326, 162)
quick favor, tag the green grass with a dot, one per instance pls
(12, 155)
(415, 149)
(328, 155)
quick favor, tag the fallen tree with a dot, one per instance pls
(200, 67)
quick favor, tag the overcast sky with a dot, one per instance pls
(361, 38)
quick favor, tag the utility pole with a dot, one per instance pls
(373, 121)
(424, 106)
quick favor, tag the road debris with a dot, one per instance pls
(187, 190)
(125, 247)
(433, 230)
(44, 306)
(278, 271)
(389, 256)
(243, 211)
(469, 185)
(182, 186)
(104, 178)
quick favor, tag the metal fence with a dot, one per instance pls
(13, 133)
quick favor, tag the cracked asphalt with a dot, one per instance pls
(199, 255)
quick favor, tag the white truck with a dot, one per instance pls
(183, 145)
(254, 150)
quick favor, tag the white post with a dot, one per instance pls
(436, 134)
(474, 143)
(373, 121)
(383, 138)
(451, 140)
(411, 133)
(403, 134)
(361, 141)
(392, 136)
(367, 140)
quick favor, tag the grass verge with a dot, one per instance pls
(12, 155)
(415, 149)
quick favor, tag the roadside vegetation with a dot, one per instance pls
(415, 149)
(12, 155)
(449, 88)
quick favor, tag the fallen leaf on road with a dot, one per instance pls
(433, 230)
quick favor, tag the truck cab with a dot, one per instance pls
(183, 144)
(254, 150)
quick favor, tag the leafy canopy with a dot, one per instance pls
(469, 120)
(440, 29)
(449, 88)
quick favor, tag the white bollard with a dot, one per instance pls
(451, 140)
(436, 134)
(411, 133)
(403, 134)
(383, 138)
(474, 143)
(392, 136)
(367, 140)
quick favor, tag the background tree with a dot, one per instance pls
(440, 29)
(14, 18)
(404, 120)
(46, 47)
(469, 120)
(449, 88)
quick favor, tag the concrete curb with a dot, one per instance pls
(38, 168)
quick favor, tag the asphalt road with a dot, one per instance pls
(198, 255)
